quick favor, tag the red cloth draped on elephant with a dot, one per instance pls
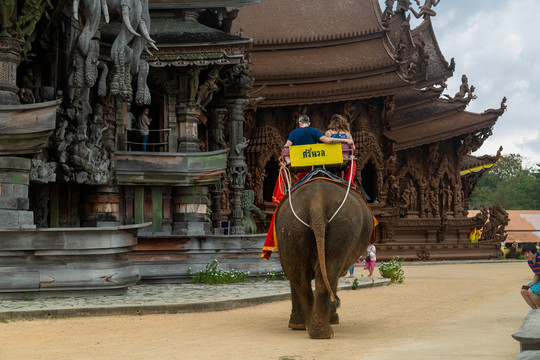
(270, 243)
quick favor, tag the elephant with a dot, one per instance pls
(316, 248)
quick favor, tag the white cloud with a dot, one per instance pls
(494, 43)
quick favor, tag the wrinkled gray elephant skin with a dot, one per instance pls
(323, 251)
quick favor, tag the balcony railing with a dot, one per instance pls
(158, 140)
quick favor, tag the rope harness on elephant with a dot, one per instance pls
(288, 189)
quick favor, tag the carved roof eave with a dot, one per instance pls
(441, 128)
(181, 55)
(317, 91)
(414, 98)
(475, 164)
(422, 112)
(200, 54)
(198, 4)
(323, 40)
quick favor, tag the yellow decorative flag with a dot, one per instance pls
(474, 235)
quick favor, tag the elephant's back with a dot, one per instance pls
(322, 196)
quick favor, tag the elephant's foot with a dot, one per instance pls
(297, 326)
(296, 322)
(320, 331)
(334, 318)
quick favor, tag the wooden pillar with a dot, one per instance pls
(188, 119)
(128, 205)
(121, 125)
(237, 167)
(216, 190)
(54, 211)
(101, 206)
(190, 206)
(157, 208)
(10, 49)
(138, 206)
(172, 120)
(167, 214)
(14, 202)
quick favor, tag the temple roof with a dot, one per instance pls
(435, 122)
(168, 30)
(198, 4)
(320, 51)
(183, 43)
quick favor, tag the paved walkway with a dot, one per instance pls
(162, 298)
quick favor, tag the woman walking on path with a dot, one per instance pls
(371, 258)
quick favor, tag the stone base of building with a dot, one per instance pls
(170, 259)
(67, 261)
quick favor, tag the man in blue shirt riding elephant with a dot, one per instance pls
(305, 135)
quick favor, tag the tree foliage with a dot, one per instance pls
(507, 183)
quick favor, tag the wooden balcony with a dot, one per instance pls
(25, 129)
(170, 169)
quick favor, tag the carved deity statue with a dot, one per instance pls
(465, 93)
(388, 9)
(6, 9)
(390, 164)
(413, 203)
(446, 198)
(425, 10)
(434, 201)
(208, 88)
(403, 5)
(248, 197)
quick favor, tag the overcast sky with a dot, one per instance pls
(495, 43)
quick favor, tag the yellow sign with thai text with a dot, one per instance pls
(315, 154)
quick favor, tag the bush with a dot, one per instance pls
(355, 284)
(392, 270)
(213, 275)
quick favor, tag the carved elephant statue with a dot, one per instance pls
(322, 250)
(93, 9)
(127, 47)
(127, 59)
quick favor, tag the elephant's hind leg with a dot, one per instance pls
(302, 303)
(334, 318)
(320, 327)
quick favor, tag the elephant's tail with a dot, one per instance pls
(320, 239)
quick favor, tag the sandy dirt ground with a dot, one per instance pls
(450, 311)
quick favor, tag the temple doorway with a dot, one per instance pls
(271, 169)
(369, 181)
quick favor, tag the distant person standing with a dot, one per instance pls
(130, 125)
(351, 269)
(144, 123)
(371, 257)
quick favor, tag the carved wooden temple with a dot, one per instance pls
(413, 142)
(224, 82)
